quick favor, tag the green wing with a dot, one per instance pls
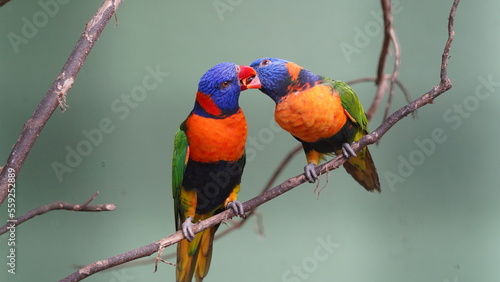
(178, 167)
(350, 102)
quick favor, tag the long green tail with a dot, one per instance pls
(363, 170)
(194, 257)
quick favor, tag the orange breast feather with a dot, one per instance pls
(311, 114)
(213, 140)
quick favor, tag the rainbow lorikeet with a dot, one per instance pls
(208, 161)
(325, 115)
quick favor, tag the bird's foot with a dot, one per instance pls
(347, 150)
(310, 173)
(237, 208)
(187, 229)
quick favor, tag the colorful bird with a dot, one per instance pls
(208, 161)
(325, 115)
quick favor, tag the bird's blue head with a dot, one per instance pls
(219, 89)
(278, 77)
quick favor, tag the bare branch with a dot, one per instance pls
(384, 52)
(281, 167)
(397, 82)
(446, 52)
(56, 95)
(113, 261)
(444, 85)
(59, 206)
(395, 73)
(84, 205)
(238, 224)
(270, 182)
(3, 2)
(386, 8)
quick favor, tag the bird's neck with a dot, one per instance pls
(300, 81)
(207, 107)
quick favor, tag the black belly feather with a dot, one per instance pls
(213, 182)
(334, 143)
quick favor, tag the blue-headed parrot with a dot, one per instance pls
(208, 162)
(325, 115)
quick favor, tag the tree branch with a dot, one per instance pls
(56, 95)
(389, 36)
(395, 72)
(3, 2)
(386, 8)
(58, 206)
(240, 223)
(268, 186)
(384, 52)
(443, 86)
(398, 82)
(154, 247)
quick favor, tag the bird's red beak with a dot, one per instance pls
(248, 78)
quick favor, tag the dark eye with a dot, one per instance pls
(225, 84)
(265, 63)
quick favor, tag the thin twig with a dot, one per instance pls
(395, 72)
(384, 52)
(236, 224)
(3, 2)
(446, 52)
(281, 167)
(444, 85)
(398, 82)
(56, 95)
(89, 200)
(113, 261)
(386, 8)
(386, 77)
(58, 206)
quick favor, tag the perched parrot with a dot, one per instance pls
(325, 115)
(208, 161)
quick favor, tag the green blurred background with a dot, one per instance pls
(436, 219)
